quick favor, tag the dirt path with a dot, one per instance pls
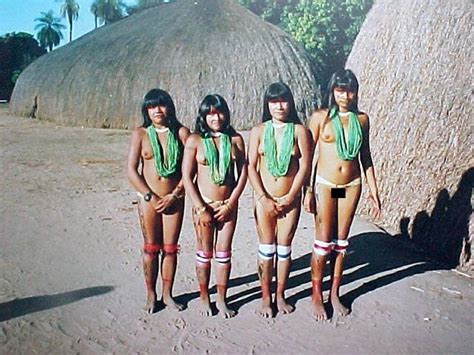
(71, 282)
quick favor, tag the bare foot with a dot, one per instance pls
(284, 307)
(338, 307)
(265, 309)
(319, 313)
(151, 305)
(224, 310)
(205, 308)
(170, 303)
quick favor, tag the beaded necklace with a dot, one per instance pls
(346, 149)
(218, 160)
(278, 162)
(163, 169)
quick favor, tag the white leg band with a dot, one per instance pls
(283, 252)
(340, 245)
(323, 248)
(266, 251)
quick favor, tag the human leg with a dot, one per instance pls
(151, 225)
(223, 254)
(205, 238)
(286, 228)
(346, 211)
(325, 223)
(266, 228)
(172, 223)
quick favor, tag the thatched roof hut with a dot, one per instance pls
(414, 59)
(189, 47)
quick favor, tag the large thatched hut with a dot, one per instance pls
(189, 48)
(414, 61)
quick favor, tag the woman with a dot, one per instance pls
(154, 170)
(341, 134)
(279, 161)
(214, 175)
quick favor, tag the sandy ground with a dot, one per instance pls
(71, 281)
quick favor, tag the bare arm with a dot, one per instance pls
(183, 137)
(304, 146)
(254, 176)
(242, 170)
(309, 201)
(135, 179)
(189, 169)
(368, 166)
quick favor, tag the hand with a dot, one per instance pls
(205, 219)
(374, 206)
(284, 204)
(163, 203)
(309, 202)
(270, 206)
(222, 213)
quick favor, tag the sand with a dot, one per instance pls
(71, 280)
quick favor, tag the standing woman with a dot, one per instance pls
(214, 174)
(341, 136)
(279, 161)
(154, 170)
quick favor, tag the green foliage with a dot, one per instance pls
(325, 28)
(70, 10)
(107, 11)
(49, 26)
(17, 51)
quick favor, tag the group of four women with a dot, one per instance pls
(284, 159)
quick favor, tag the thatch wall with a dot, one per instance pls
(414, 62)
(190, 48)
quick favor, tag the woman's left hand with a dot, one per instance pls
(374, 206)
(165, 202)
(222, 213)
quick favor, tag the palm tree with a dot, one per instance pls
(50, 26)
(95, 12)
(70, 9)
(107, 10)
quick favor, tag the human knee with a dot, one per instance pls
(203, 258)
(171, 249)
(340, 246)
(151, 249)
(322, 248)
(283, 252)
(266, 251)
(223, 257)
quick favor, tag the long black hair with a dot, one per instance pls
(159, 97)
(347, 80)
(217, 102)
(275, 91)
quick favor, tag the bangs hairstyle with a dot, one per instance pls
(344, 79)
(210, 103)
(279, 91)
(159, 97)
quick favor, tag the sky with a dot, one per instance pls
(19, 16)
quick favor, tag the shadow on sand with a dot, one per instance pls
(444, 235)
(23, 306)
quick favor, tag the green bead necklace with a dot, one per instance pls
(346, 149)
(164, 169)
(278, 162)
(219, 161)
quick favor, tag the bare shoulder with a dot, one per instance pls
(317, 117)
(193, 140)
(183, 133)
(363, 119)
(257, 130)
(237, 138)
(138, 133)
(300, 129)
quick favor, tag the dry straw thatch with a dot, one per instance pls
(414, 59)
(189, 47)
